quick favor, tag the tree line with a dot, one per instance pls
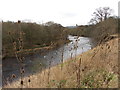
(50, 33)
(102, 24)
(34, 35)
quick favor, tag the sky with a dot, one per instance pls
(64, 12)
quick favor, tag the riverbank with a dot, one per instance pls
(34, 63)
(20, 37)
(96, 68)
(35, 50)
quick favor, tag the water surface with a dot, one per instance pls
(34, 63)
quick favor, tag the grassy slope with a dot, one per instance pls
(98, 68)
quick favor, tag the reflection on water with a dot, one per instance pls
(35, 62)
(83, 44)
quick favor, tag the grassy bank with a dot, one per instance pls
(35, 50)
(96, 68)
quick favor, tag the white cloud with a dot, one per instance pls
(65, 12)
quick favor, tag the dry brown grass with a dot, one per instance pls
(98, 68)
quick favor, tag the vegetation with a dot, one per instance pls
(98, 31)
(96, 68)
(52, 34)
(101, 14)
(34, 35)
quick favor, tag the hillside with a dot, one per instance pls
(26, 38)
(96, 68)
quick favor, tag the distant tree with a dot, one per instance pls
(101, 14)
(49, 23)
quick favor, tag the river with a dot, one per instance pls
(36, 62)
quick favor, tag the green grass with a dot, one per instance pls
(98, 78)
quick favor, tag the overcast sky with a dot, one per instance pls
(65, 12)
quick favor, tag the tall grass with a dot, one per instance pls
(83, 71)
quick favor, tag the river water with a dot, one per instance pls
(36, 62)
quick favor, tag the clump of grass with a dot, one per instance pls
(97, 78)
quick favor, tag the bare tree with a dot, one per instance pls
(101, 14)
